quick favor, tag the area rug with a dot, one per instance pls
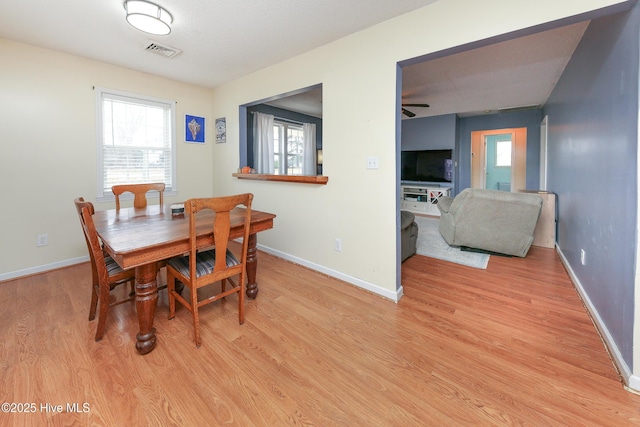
(430, 243)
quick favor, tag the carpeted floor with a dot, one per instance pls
(430, 243)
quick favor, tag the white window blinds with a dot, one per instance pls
(136, 141)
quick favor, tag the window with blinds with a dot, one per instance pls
(136, 140)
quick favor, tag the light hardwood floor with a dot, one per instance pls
(510, 345)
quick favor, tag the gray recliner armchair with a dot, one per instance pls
(490, 220)
(408, 234)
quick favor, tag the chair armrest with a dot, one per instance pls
(444, 204)
(406, 219)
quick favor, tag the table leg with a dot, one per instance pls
(252, 266)
(146, 301)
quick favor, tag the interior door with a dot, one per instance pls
(498, 159)
(518, 157)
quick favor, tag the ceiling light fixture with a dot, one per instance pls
(148, 17)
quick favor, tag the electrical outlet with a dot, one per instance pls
(42, 240)
(583, 257)
(372, 163)
(337, 245)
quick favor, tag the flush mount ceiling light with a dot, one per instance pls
(148, 17)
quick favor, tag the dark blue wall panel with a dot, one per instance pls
(592, 166)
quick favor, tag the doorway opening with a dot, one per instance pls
(499, 159)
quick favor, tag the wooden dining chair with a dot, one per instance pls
(139, 193)
(107, 274)
(199, 269)
(140, 199)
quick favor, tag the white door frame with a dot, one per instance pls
(543, 152)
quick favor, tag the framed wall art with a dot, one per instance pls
(194, 127)
(221, 130)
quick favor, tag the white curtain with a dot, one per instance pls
(309, 149)
(263, 143)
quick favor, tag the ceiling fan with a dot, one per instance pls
(409, 113)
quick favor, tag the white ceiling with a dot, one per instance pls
(512, 74)
(220, 40)
(308, 102)
(224, 40)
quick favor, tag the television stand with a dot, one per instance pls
(422, 199)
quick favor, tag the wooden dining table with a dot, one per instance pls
(141, 238)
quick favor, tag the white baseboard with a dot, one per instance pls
(633, 385)
(42, 268)
(393, 296)
(631, 382)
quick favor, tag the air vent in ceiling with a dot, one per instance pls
(157, 48)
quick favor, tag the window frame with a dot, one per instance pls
(283, 145)
(103, 195)
(498, 163)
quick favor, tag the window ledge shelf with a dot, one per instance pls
(304, 179)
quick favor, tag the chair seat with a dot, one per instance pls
(205, 262)
(112, 266)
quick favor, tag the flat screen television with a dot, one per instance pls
(427, 166)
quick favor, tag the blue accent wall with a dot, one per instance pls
(592, 166)
(450, 131)
(429, 133)
(529, 119)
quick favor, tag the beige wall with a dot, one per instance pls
(48, 139)
(358, 74)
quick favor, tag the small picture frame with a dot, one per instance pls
(221, 130)
(194, 129)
